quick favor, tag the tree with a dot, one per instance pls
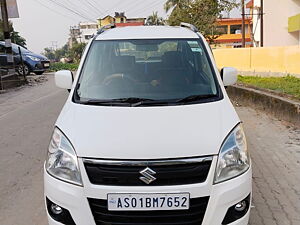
(17, 39)
(76, 51)
(174, 4)
(154, 19)
(49, 53)
(15, 36)
(201, 13)
(62, 52)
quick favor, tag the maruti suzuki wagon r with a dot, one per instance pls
(148, 135)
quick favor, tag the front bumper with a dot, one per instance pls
(222, 196)
(40, 66)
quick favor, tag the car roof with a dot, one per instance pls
(147, 32)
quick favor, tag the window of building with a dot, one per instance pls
(122, 20)
(221, 30)
(235, 29)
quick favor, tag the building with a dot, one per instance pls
(281, 22)
(105, 21)
(229, 33)
(74, 35)
(121, 20)
(82, 33)
(87, 30)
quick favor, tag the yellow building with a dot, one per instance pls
(105, 21)
(120, 20)
(229, 33)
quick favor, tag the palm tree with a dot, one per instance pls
(154, 19)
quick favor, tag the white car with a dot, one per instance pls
(148, 135)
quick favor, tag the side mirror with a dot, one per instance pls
(229, 76)
(64, 79)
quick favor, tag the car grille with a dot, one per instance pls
(177, 172)
(193, 216)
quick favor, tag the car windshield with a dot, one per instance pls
(167, 70)
(16, 49)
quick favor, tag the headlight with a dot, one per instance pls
(33, 58)
(62, 161)
(233, 158)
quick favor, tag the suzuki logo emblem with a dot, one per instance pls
(147, 175)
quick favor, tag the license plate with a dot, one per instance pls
(46, 64)
(148, 202)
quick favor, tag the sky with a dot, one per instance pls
(44, 23)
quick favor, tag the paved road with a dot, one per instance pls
(27, 116)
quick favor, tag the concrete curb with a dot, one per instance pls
(282, 108)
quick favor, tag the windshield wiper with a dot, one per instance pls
(135, 102)
(193, 98)
(106, 102)
(117, 101)
(132, 102)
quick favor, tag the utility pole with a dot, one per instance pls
(6, 33)
(243, 25)
(54, 45)
(261, 23)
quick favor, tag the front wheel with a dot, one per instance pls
(39, 73)
(23, 70)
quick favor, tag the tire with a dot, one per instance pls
(20, 70)
(39, 73)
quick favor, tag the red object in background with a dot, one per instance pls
(129, 24)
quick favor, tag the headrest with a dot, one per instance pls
(172, 59)
(124, 62)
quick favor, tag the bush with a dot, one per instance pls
(63, 66)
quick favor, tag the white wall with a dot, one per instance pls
(276, 17)
(86, 31)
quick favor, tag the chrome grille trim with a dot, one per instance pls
(160, 162)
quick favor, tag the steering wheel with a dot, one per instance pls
(117, 76)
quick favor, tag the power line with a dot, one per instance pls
(120, 2)
(55, 11)
(134, 5)
(152, 4)
(84, 9)
(97, 4)
(94, 6)
(70, 10)
(54, 45)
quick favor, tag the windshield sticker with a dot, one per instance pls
(196, 49)
(193, 43)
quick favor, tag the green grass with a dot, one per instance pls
(61, 66)
(285, 85)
